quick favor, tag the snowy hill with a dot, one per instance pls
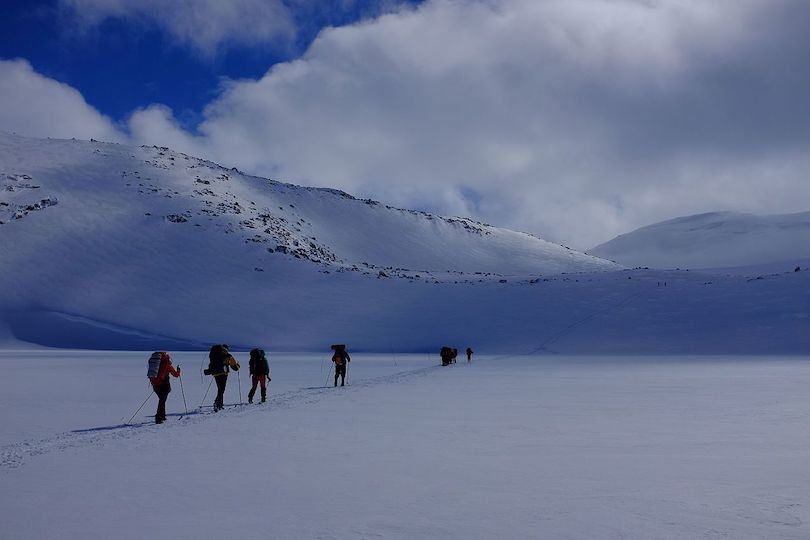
(95, 230)
(713, 240)
(108, 246)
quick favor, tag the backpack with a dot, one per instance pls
(154, 365)
(258, 362)
(216, 360)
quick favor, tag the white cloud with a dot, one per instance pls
(203, 25)
(574, 119)
(37, 106)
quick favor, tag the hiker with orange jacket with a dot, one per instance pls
(220, 362)
(161, 384)
(340, 358)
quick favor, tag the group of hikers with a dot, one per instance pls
(449, 354)
(221, 362)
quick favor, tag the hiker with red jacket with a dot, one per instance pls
(340, 358)
(259, 373)
(160, 382)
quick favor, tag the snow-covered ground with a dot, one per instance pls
(507, 447)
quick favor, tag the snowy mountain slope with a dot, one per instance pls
(116, 183)
(142, 248)
(713, 240)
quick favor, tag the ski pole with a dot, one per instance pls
(239, 378)
(327, 377)
(141, 407)
(206, 392)
(182, 391)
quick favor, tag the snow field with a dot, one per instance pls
(510, 447)
(50, 391)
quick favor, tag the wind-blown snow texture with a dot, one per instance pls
(116, 247)
(714, 240)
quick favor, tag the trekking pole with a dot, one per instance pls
(182, 391)
(327, 377)
(239, 378)
(141, 407)
(206, 392)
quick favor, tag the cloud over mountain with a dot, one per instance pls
(578, 120)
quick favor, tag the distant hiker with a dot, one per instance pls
(469, 355)
(340, 358)
(160, 366)
(259, 372)
(446, 354)
(220, 362)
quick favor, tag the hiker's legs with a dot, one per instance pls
(342, 372)
(162, 392)
(253, 388)
(263, 381)
(222, 380)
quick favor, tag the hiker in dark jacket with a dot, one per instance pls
(220, 363)
(340, 358)
(259, 372)
(469, 355)
(446, 354)
(162, 386)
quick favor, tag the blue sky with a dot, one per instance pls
(121, 64)
(576, 120)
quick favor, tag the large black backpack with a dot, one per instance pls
(258, 363)
(216, 360)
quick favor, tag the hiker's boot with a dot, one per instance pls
(264, 396)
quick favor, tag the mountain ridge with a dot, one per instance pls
(108, 246)
(713, 240)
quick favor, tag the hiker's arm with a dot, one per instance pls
(174, 371)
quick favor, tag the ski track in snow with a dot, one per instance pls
(14, 455)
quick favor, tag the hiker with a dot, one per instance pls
(160, 366)
(220, 363)
(259, 372)
(446, 354)
(340, 358)
(469, 355)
